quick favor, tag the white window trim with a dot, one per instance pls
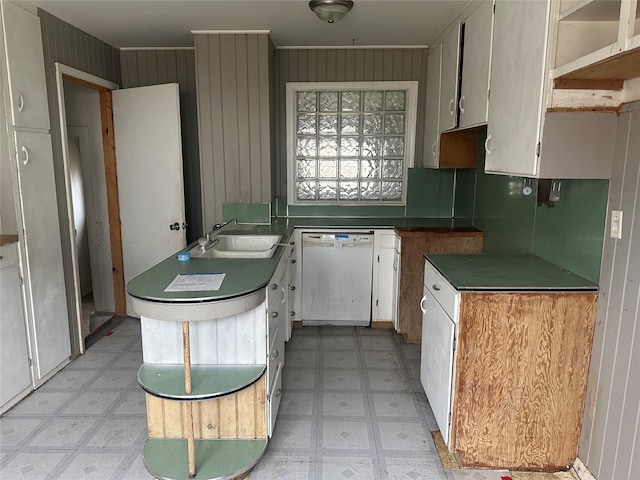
(411, 87)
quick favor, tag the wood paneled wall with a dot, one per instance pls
(344, 65)
(610, 440)
(154, 67)
(235, 99)
(72, 47)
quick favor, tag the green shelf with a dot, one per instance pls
(207, 381)
(215, 459)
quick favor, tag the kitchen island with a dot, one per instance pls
(234, 348)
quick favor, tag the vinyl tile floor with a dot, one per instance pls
(352, 408)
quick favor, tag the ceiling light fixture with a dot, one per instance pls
(330, 10)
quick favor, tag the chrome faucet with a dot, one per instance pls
(211, 238)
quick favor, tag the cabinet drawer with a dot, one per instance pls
(442, 290)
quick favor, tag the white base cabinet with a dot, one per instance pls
(15, 376)
(385, 277)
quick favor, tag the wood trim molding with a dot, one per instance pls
(113, 204)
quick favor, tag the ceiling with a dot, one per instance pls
(167, 23)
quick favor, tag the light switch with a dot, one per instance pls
(616, 223)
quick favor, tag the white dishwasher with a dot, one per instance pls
(336, 278)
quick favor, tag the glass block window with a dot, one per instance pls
(350, 142)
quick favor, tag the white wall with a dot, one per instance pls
(82, 106)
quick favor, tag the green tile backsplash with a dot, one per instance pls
(247, 212)
(569, 234)
(572, 232)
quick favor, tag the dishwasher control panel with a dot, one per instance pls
(344, 238)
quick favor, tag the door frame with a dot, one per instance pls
(104, 88)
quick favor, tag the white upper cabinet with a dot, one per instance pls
(522, 137)
(25, 68)
(476, 64)
(449, 79)
(431, 124)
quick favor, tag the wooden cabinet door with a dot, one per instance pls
(476, 61)
(432, 114)
(43, 271)
(25, 68)
(517, 75)
(449, 79)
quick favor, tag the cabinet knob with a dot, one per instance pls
(174, 226)
(424, 297)
(293, 287)
(433, 149)
(461, 104)
(274, 315)
(452, 102)
(293, 260)
(275, 353)
(293, 313)
(278, 392)
(274, 286)
(435, 287)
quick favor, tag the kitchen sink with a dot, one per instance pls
(240, 246)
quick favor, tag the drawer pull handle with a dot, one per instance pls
(284, 294)
(452, 102)
(293, 313)
(20, 102)
(276, 353)
(435, 287)
(293, 261)
(461, 104)
(274, 315)
(424, 297)
(487, 145)
(433, 149)
(26, 155)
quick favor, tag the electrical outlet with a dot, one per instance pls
(616, 224)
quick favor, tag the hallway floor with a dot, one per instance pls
(352, 408)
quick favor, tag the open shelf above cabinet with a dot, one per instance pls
(597, 44)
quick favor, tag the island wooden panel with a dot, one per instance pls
(521, 375)
(240, 415)
(414, 244)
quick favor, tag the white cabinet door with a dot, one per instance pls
(15, 378)
(449, 79)
(517, 74)
(43, 270)
(25, 68)
(476, 61)
(431, 125)
(291, 298)
(146, 124)
(384, 280)
(436, 361)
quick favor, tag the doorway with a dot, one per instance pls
(91, 187)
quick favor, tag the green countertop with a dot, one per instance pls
(506, 272)
(244, 276)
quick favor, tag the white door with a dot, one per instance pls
(150, 183)
(43, 270)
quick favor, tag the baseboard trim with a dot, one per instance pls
(582, 471)
(384, 324)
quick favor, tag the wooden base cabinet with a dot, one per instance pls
(414, 243)
(506, 372)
